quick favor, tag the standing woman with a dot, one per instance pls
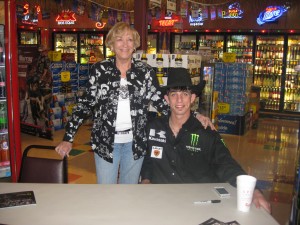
(117, 95)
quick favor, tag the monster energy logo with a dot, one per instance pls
(194, 139)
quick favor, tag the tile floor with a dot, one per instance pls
(269, 153)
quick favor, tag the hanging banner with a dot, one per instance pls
(95, 13)
(213, 13)
(171, 7)
(78, 7)
(204, 12)
(154, 3)
(184, 8)
(112, 17)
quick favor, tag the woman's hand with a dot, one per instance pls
(64, 148)
(205, 121)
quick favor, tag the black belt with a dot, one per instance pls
(123, 131)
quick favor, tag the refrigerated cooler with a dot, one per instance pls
(268, 71)
(66, 43)
(28, 37)
(191, 43)
(215, 43)
(10, 140)
(242, 46)
(86, 47)
(4, 146)
(91, 48)
(183, 43)
(208, 101)
(292, 78)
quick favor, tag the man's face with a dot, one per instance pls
(180, 101)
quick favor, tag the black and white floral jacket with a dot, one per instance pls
(101, 99)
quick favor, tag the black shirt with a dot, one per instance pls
(196, 155)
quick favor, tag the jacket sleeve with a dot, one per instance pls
(146, 171)
(225, 166)
(83, 108)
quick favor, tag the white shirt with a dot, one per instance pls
(123, 121)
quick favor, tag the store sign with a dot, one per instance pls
(29, 14)
(100, 25)
(271, 14)
(198, 21)
(234, 11)
(66, 17)
(167, 23)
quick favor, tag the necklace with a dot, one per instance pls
(175, 131)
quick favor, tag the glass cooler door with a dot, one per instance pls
(66, 43)
(91, 48)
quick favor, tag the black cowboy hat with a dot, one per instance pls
(179, 77)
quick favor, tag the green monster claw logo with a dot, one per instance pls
(194, 139)
(223, 142)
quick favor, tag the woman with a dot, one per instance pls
(118, 95)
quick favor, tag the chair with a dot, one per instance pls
(43, 170)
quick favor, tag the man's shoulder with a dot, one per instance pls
(157, 121)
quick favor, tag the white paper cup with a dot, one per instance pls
(245, 188)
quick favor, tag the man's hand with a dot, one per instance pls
(260, 201)
(64, 148)
(145, 181)
(205, 121)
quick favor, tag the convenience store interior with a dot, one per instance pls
(268, 152)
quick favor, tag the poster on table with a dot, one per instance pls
(33, 103)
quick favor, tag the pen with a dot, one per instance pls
(207, 201)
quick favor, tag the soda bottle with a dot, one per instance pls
(2, 85)
(4, 149)
(1, 53)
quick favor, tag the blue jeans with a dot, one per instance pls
(123, 167)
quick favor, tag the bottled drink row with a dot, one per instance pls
(4, 150)
(273, 67)
(267, 80)
(293, 52)
(211, 43)
(271, 96)
(269, 52)
(3, 117)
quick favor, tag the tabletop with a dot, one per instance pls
(120, 204)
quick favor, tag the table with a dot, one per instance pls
(140, 204)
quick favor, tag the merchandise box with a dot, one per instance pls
(236, 125)
(188, 61)
(68, 57)
(72, 67)
(57, 67)
(54, 56)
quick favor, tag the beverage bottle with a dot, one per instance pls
(3, 118)
(178, 60)
(159, 75)
(2, 85)
(159, 61)
(144, 58)
(4, 149)
(1, 53)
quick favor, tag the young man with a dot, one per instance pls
(180, 150)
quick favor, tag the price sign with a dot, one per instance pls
(65, 76)
(223, 108)
(229, 57)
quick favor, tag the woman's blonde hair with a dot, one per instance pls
(118, 30)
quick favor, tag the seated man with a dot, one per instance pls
(180, 150)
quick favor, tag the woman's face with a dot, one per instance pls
(123, 46)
